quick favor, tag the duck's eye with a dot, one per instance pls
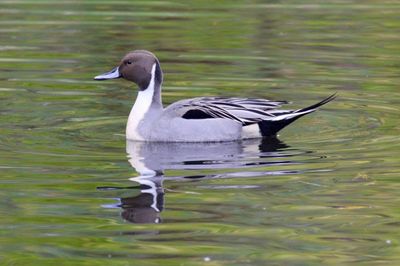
(128, 62)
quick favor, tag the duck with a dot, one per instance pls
(201, 119)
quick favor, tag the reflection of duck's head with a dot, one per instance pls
(145, 207)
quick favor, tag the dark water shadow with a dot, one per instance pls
(151, 160)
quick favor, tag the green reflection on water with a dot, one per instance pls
(328, 195)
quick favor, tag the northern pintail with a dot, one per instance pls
(204, 119)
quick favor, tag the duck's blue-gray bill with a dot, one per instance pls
(113, 74)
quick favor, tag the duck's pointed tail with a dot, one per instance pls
(272, 126)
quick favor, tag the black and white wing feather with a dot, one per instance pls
(243, 110)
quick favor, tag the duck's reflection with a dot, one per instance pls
(147, 206)
(150, 160)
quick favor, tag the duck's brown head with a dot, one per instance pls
(139, 66)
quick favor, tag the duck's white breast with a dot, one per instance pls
(142, 105)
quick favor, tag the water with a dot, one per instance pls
(326, 191)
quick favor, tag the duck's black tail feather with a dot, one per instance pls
(272, 126)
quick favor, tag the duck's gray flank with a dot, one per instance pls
(201, 119)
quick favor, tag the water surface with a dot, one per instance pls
(74, 192)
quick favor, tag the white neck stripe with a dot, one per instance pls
(142, 105)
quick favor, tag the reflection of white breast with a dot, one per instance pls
(140, 167)
(137, 158)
